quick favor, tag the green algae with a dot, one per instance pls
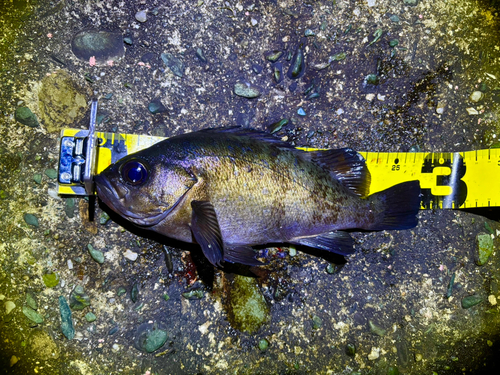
(246, 307)
(61, 102)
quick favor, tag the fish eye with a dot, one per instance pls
(134, 172)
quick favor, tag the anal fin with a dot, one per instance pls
(335, 242)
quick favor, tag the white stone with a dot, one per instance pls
(375, 353)
(476, 96)
(9, 306)
(370, 97)
(472, 111)
(141, 16)
(381, 97)
(130, 255)
(340, 111)
(440, 108)
(70, 264)
(253, 21)
(371, 3)
(492, 299)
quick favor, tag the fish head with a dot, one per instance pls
(143, 189)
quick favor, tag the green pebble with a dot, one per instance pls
(470, 301)
(26, 117)
(337, 57)
(392, 370)
(69, 207)
(134, 292)
(37, 177)
(32, 315)
(350, 350)
(66, 321)
(155, 340)
(78, 299)
(121, 291)
(379, 331)
(372, 79)
(90, 317)
(317, 322)
(488, 228)
(31, 219)
(51, 280)
(393, 43)
(278, 125)
(51, 173)
(166, 297)
(31, 301)
(97, 255)
(193, 294)
(331, 268)
(176, 65)
(292, 251)
(246, 90)
(263, 344)
(3, 194)
(274, 56)
(484, 248)
(104, 218)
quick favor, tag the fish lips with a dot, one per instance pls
(109, 194)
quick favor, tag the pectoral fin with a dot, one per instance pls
(335, 242)
(206, 231)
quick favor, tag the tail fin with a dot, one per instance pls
(398, 206)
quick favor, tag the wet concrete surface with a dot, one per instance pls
(392, 299)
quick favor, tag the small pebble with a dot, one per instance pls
(9, 306)
(350, 350)
(468, 302)
(141, 16)
(484, 245)
(472, 111)
(374, 354)
(418, 357)
(246, 90)
(339, 111)
(476, 96)
(301, 112)
(70, 264)
(37, 177)
(97, 255)
(13, 360)
(253, 21)
(492, 300)
(130, 255)
(31, 219)
(90, 317)
(51, 173)
(26, 117)
(440, 108)
(32, 315)
(263, 344)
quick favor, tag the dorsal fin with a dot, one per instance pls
(258, 135)
(346, 166)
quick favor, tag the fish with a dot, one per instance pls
(230, 189)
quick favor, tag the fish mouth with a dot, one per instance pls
(109, 194)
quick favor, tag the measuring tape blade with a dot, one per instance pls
(467, 179)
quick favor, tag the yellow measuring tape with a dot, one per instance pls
(448, 180)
